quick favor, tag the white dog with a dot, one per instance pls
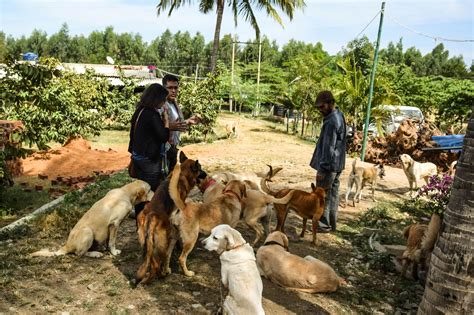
(415, 171)
(238, 271)
(101, 222)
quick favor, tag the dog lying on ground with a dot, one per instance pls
(308, 274)
(256, 207)
(101, 222)
(415, 171)
(194, 218)
(421, 239)
(253, 180)
(308, 205)
(361, 176)
(156, 234)
(239, 271)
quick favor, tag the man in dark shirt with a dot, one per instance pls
(329, 157)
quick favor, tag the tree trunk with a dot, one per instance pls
(217, 31)
(449, 287)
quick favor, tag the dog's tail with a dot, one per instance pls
(354, 166)
(283, 200)
(431, 235)
(265, 188)
(173, 187)
(47, 253)
(272, 171)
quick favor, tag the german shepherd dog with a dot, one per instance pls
(156, 234)
(306, 205)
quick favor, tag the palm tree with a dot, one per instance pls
(243, 8)
(449, 286)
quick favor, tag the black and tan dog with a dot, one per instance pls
(156, 234)
(308, 205)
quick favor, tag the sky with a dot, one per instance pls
(332, 22)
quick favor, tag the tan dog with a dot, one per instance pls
(239, 271)
(194, 218)
(421, 239)
(156, 234)
(252, 179)
(293, 272)
(416, 171)
(101, 222)
(308, 205)
(255, 207)
(361, 176)
(231, 130)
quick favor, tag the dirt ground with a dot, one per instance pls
(86, 285)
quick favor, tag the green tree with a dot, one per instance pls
(361, 52)
(58, 44)
(38, 42)
(242, 8)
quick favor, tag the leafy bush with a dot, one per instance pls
(54, 105)
(200, 98)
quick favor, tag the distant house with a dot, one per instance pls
(144, 74)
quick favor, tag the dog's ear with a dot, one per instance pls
(285, 240)
(243, 190)
(196, 167)
(182, 157)
(321, 193)
(313, 186)
(233, 238)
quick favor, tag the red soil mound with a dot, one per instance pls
(75, 158)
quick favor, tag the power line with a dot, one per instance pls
(180, 75)
(357, 36)
(436, 38)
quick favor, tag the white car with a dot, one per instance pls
(397, 114)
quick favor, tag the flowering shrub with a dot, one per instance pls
(436, 193)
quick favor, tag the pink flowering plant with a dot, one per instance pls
(436, 193)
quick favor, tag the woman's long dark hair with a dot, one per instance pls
(153, 95)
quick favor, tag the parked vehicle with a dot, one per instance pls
(396, 114)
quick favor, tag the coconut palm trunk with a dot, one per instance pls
(449, 287)
(217, 32)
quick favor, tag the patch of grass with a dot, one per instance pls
(110, 139)
(14, 201)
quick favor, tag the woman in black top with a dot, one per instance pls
(149, 133)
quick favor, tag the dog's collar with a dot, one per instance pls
(207, 184)
(235, 247)
(232, 193)
(274, 243)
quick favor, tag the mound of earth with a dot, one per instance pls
(75, 159)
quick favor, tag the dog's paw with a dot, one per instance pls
(166, 271)
(189, 273)
(115, 252)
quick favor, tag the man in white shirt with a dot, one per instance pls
(177, 123)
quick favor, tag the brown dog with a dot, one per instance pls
(156, 234)
(306, 205)
(194, 218)
(421, 239)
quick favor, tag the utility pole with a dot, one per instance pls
(232, 74)
(196, 76)
(372, 79)
(257, 108)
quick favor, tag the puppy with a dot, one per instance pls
(361, 176)
(156, 234)
(306, 205)
(239, 271)
(416, 171)
(194, 218)
(100, 223)
(308, 274)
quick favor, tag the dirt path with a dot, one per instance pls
(85, 285)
